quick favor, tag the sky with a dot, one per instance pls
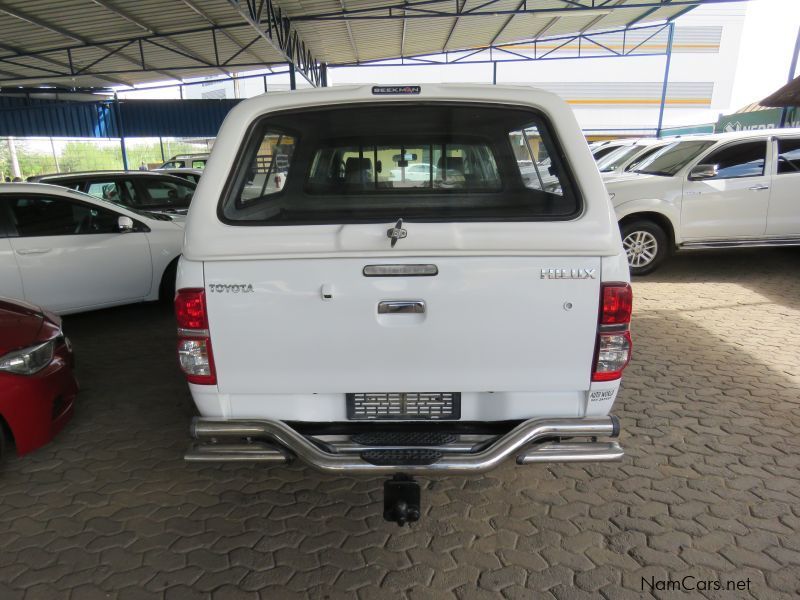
(768, 39)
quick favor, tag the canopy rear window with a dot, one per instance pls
(425, 162)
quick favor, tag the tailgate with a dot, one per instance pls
(489, 324)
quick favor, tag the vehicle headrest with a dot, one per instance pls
(455, 163)
(358, 170)
(354, 163)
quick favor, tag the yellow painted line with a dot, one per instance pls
(637, 101)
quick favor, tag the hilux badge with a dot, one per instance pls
(568, 274)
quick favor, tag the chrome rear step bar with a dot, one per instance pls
(531, 442)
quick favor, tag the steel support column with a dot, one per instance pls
(121, 127)
(792, 69)
(666, 80)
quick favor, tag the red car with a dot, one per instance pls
(37, 385)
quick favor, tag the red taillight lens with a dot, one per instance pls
(190, 309)
(613, 350)
(194, 343)
(616, 304)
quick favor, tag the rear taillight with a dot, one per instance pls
(194, 343)
(190, 309)
(613, 348)
(617, 303)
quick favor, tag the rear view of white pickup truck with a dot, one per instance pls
(403, 280)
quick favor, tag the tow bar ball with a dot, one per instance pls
(401, 498)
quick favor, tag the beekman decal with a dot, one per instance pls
(380, 90)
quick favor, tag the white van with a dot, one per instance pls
(361, 317)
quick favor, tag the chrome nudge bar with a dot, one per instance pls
(532, 441)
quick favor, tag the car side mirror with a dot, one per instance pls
(700, 172)
(124, 224)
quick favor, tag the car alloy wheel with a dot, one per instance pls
(641, 247)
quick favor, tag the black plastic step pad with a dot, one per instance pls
(402, 438)
(401, 457)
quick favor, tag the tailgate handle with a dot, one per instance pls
(401, 306)
(26, 251)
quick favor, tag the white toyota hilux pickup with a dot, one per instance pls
(338, 306)
(724, 190)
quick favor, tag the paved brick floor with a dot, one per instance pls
(709, 487)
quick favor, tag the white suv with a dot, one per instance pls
(711, 191)
(364, 321)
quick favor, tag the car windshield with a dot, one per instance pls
(643, 156)
(672, 158)
(617, 158)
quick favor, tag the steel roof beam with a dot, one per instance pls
(15, 79)
(49, 60)
(350, 34)
(506, 24)
(459, 10)
(508, 49)
(23, 16)
(223, 31)
(67, 68)
(271, 24)
(421, 9)
(142, 25)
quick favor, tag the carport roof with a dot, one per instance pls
(788, 95)
(102, 43)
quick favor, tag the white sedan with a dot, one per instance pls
(70, 252)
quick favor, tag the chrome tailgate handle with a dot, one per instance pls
(26, 251)
(401, 306)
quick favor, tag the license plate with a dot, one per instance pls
(426, 406)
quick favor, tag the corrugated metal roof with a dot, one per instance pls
(788, 95)
(99, 43)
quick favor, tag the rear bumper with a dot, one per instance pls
(538, 440)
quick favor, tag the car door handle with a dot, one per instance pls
(758, 188)
(25, 251)
(401, 306)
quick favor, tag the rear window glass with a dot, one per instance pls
(403, 165)
(420, 162)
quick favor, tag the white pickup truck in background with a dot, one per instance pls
(727, 190)
(406, 302)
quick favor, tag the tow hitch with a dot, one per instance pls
(401, 500)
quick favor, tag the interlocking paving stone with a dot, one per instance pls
(709, 486)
